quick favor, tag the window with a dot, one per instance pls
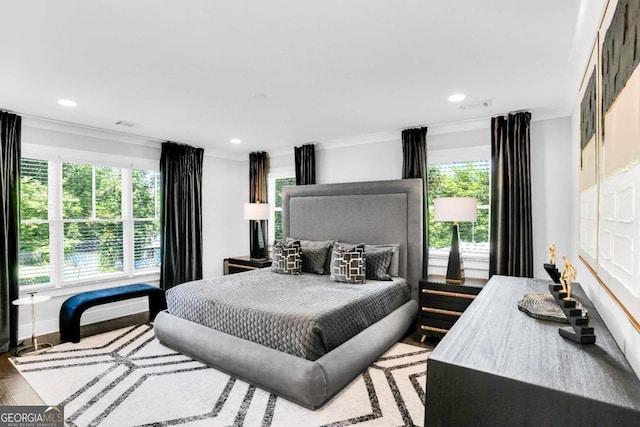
(276, 184)
(34, 222)
(464, 179)
(146, 219)
(81, 222)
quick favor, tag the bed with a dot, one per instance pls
(376, 213)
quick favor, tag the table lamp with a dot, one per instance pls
(455, 209)
(256, 213)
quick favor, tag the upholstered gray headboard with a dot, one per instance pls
(377, 212)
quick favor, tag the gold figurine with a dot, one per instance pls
(552, 254)
(568, 274)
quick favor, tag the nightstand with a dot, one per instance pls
(442, 304)
(244, 263)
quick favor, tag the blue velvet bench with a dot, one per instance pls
(73, 307)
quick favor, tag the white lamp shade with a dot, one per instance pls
(256, 211)
(460, 209)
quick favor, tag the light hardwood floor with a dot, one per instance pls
(14, 390)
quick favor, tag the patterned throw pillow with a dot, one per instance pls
(348, 265)
(378, 262)
(286, 257)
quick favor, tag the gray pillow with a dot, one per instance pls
(286, 257)
(394, 267)
(313, 259)
(378, 264)
(348, 265)
(312, 245)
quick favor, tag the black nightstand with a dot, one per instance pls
(442, 304)
(244, 263)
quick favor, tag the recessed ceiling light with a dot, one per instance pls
(457, 97)
(67, 102)
(235, 141)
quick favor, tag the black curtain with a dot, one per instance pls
(305, 164)
(258, 170)
(511, 236)
(10, 232)
(181, 214)
(414, 165)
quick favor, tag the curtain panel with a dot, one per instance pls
(10, 152)
(414, 165)
(511, 235)
(258, 231)
(305, 157)
(181, 214)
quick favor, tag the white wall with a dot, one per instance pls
(551, 190)
(225, 233)
(371, 162)
(382, 159)
(225, 189)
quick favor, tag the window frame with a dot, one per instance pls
(476, 260)
(56, 157)
(275, 174)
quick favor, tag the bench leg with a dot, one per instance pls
(70, 329)
(157, 303)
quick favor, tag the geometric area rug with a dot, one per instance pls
(127, 378)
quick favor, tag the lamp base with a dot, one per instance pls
(257, 245)
(455, 267)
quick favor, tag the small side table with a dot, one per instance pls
(34, 348)
(442, 304)
(244, 263)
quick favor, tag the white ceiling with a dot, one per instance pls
(189, 71)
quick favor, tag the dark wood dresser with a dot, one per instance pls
(500, 367)
(244, 263)
(442, 304)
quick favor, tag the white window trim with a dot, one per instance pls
(56, 224)
(457, 155)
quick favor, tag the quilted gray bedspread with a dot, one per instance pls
(305, 315)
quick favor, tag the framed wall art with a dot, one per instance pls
(589, 142)
(618, 157)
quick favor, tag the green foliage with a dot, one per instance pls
(34, 232)
(280, 184)
(468, 179)
(76, 191)
(146, 194)
(277, 225)
(33, 199)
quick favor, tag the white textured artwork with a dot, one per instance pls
(589, 223)
(620, 230)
